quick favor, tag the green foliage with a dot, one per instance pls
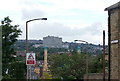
(20, 46)
(67, 65)
(46, 75)
(15, 71)
(95, 65)
(73, 66)
(9, 35)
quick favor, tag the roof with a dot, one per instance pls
(114, 6)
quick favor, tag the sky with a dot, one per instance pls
(69, 19)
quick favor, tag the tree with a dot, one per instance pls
(95, 64)
(68, 66)
(9, 35)
(16, 70)
(73, 66)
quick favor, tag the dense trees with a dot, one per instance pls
(9, 35)
(16, 70)
(73, 66)
(67, 66)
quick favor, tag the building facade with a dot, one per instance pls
(52, 42)
(114, 40)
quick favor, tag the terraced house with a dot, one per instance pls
(114, 40)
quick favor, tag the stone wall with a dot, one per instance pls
(115, 45)
(94, 76)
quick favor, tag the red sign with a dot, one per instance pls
(30, 58)
(30, 62)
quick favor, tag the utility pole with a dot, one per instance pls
(103, 55)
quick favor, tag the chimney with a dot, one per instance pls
(45, 59)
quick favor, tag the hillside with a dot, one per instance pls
(37, 46)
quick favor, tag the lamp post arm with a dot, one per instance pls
(37, 19)
(81, 41)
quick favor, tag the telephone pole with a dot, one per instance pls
(103, 55)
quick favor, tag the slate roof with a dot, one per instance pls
(114, 6)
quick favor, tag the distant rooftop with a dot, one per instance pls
(114, 6)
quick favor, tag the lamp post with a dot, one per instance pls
(86, 57)
(29, 66)
(27, 30)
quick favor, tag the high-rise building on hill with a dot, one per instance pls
(52, 42)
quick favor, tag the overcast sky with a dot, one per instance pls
(69, 19)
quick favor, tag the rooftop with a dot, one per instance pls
(114, 6)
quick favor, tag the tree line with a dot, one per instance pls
(73, 66)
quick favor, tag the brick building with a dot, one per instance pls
(114, 40)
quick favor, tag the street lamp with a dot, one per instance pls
(27, 30)
(29, 71)
(86, 57)
(81, 41)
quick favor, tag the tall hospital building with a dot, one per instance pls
(52, 42)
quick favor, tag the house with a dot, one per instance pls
(114, 40)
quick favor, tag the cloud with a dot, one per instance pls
(38, 30)
(70, 19)
(94, 29)
(30, 14)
